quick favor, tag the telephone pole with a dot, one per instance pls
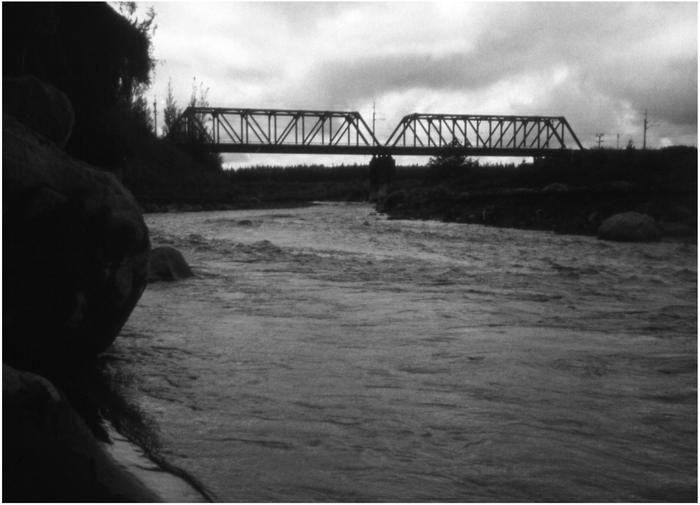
(647, 124)
(618, 141)
(600, 136)
(374, 116)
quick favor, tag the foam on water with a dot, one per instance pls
(326, 353)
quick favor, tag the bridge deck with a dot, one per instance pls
(372, 150)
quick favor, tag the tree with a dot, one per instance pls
(193, 139)
(198, 98)
(171, 111)
(134, 94)
(140, 110)
(448, 166)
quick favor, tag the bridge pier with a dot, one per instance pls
(381, 169)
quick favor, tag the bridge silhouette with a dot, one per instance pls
(232, 130)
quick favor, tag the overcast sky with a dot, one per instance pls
(599, 64)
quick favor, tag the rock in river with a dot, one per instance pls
(167, 264)
(75, 250)
(629, 227)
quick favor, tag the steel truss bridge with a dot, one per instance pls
(229, 130)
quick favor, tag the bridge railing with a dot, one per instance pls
(480, 133)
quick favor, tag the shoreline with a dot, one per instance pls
(578, 211)
(168, 483)
(571, 211)
(62, 453)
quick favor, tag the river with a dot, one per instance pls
(326, 353)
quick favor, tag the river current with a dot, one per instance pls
(329, 354)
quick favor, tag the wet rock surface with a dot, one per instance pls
(50, 454)
(167, 264)
(630, 227)
(75, 254)
(40, 106)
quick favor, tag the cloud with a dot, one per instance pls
(599, 64)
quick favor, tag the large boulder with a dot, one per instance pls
(50, 453)
(629, 227)
(75, 253)
(167, 264)
(40, 106)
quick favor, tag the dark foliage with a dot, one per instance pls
(569, 195)
(93, 54)
(671, 167)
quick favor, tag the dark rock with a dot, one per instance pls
(555, 187)
(616, 186)
(393, 199)
(676, 229)
(50, 455)
(75, 253)
(245, 222)
(629, 227)
(167, 264)
(40, 106)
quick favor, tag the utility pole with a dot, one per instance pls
(374, 117)
(155, 116)
(647, 125)
(618, 141)
(600, 136)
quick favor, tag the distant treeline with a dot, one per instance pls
(659, 168)
(671, 167)
(571, 194)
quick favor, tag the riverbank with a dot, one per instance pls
(558, 208)
(570, 196)
(63, 448)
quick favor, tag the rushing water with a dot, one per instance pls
(328, 354)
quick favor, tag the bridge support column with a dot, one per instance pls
(381, 170)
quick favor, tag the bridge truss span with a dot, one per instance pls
(460, 134)
(287, 131)
(277, 131)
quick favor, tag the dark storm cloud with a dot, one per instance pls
(576, 36)
(600, 64)
(370, 76)
(668, 91)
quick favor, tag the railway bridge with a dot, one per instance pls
(230, 130)
(227, 130)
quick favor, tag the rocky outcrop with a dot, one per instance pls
(40, 106)
(167, 264)
(50, 454)
(629, 227)
(75, 253)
